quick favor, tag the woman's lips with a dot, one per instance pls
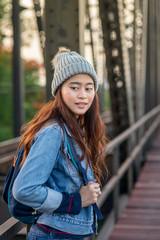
(81, 104)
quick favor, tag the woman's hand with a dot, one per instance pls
(89, 194)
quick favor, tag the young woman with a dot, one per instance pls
(48, 180)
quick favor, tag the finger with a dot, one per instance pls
(96, 185)
(90, 183)
(100, 193)
(97, 191)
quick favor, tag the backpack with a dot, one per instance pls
(24, 213)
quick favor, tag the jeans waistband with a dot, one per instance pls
(56, 233)
(44, 228)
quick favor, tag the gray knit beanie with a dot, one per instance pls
(68, 64)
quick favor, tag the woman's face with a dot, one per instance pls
(78, 93)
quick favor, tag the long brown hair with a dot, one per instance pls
(92, 144)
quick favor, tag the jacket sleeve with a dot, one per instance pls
(71, 203)
(29, 187)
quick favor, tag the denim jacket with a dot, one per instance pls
(50, 183)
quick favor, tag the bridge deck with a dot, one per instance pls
(141, 218)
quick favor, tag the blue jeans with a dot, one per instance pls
(36, 234)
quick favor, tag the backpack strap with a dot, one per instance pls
(75, 160)
(70, 152)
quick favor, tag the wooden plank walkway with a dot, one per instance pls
(141, 218)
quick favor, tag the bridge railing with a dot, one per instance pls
(10, 228)
(137, 136)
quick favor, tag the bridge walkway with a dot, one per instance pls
(141, 218)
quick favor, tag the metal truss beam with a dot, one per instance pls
(140, 33)
(158, 52)
(37, 9)
(18, 81)
(64, 26)
(153, 58)
(117, 61)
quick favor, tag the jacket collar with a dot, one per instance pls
(68, 132)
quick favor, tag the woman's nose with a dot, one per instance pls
(82, 93)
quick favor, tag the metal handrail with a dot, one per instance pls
(113, 184)
(124, 135)
(107, 189)
(8, 147)
(10, 228)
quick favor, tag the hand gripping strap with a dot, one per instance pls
(75, 160)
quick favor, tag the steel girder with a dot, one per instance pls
(140, 47)
(18, 82)
(153, 58)
(64, 26)
(118, 65)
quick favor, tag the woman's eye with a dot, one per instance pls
(89, 89)
(74, 88)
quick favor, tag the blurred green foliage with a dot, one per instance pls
(5, 22)
(107, 102)
(34, 94)
(6, 103)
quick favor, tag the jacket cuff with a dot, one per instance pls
(71, 203)
(52, 202)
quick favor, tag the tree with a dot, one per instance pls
(6, 103)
